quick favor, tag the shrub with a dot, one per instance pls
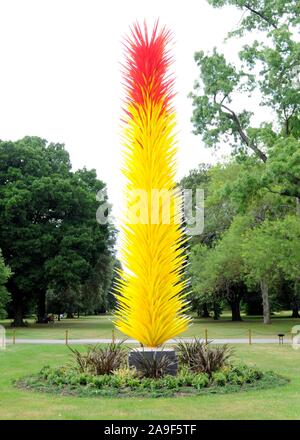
(185, 377)
(115, 381)
(45, 371)
(100, 360)
(154, 367)
(82, 379)
(219, 378)
(146, 382)
(201, 358)
(200, 381)
(101, 381)
(188, 350)
(240, 374)
(170, 382)
(125, 374)
(133, 382)
(155, 384)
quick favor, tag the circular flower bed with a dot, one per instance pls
(125, 382)
(103, 371)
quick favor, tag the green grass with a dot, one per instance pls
(276, 403)
(102, 326)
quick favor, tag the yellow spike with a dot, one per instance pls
(151, 293)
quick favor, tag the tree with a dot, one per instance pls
(261, 262)
(272, 252)
(5, 273)
(200, 297)
(218, 208)
(218, 270)
(266, 158)
(287, 232)
(48, 230)
(94, 292)
(62, 301)
(272, 67)
(221, 208)
(218, 273)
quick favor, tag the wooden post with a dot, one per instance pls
(14, 336)
(113, 336)
(250, 336)
(67, 337)
(206, 336)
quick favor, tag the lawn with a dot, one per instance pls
(102, 326)
(282, 402)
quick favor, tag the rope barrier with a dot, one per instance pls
(268, 333)
(207, 335)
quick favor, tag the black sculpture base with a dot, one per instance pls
(134, 358)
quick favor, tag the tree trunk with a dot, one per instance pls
(234, 295)
(18, 310)
(41, 307)
(295, 301)
(235, 309)
(266, 304)
(205, 312)
(295, 310)
(216, 309)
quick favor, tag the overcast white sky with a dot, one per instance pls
(60, 74)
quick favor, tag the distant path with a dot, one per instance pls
(132, 341)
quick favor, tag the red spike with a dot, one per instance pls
(146, 66)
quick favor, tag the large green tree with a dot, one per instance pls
(5, 273)
(218, 207)
(265, 168)
(271, 251)
(218, 273)
(48, 229)
(269, 64)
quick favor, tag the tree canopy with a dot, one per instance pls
(48, 229)
(259, 186)
(5, 273)
(270, 65)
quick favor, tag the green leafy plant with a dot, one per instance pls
(239, 374)
(170, 382)
(125, 374)
(199, 357)
(200, 381)
(124, 382)
(219, 378)
(185, 376)
(101, 360)
(101, 381)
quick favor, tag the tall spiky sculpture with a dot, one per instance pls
(151, 303)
